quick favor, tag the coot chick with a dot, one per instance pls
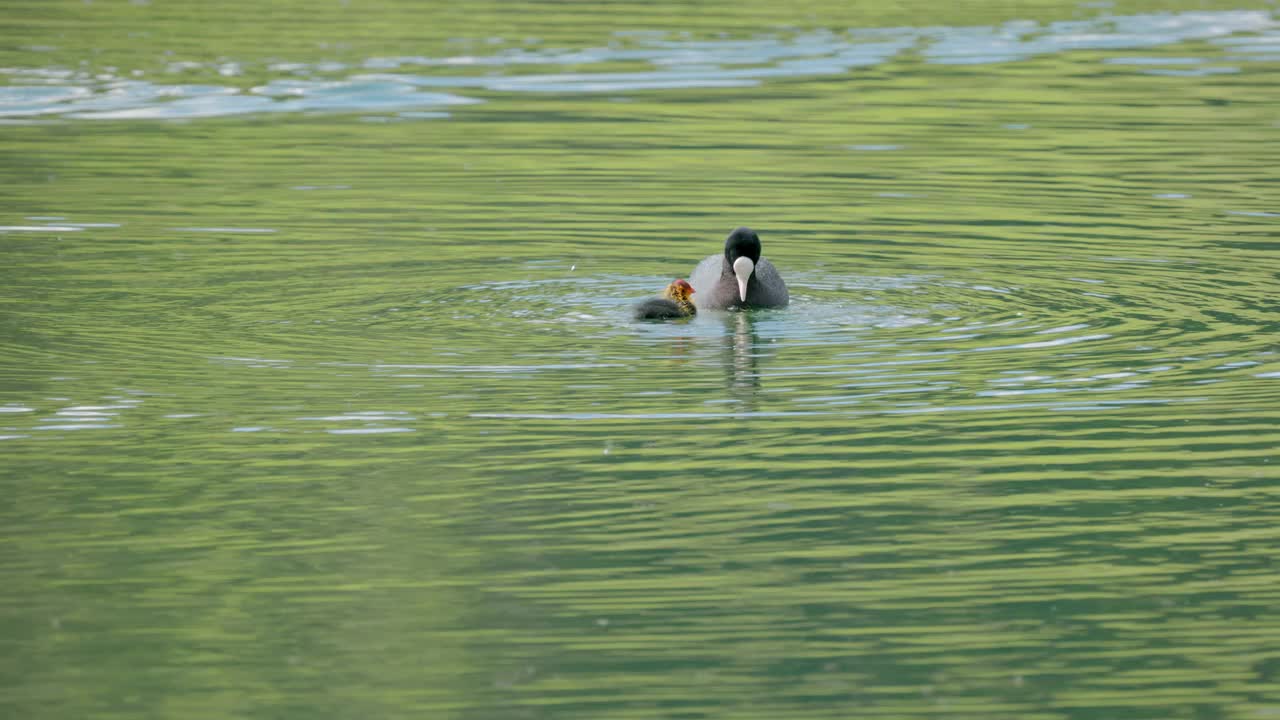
(739, 277)
(674, 303)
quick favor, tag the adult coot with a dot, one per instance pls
(739, 277)
(674, 303)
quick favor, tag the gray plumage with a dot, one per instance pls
(716, 286)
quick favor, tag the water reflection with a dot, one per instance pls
(742, 353)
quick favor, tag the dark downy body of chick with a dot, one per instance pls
(674, 303)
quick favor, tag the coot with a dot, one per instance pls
(739, 277)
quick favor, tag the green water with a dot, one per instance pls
(320, 397)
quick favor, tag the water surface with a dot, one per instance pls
(320, 397)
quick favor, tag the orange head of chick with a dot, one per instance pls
(680, 292)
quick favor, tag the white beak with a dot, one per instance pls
(743, 267)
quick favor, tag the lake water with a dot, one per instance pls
(320, 397)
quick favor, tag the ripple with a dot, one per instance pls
(77, 426)
(647, 416)
(399, 85)
(1254, 213)
(1044, 343)
(911, 344)
(1154, 61)
(40, 228)
(229, 230)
